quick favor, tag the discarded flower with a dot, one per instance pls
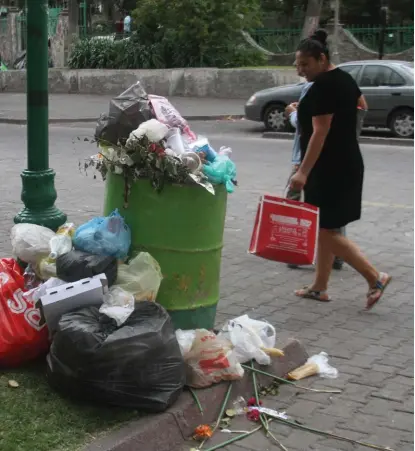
(253, 415)
(202, 432)
(252, 402)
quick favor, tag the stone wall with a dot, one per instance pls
(10, 41)
(209, 82)
(60, 41)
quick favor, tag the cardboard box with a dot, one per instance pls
(71, 296)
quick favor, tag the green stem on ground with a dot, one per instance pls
(221, 413)
(262, 417)
(234, 439)
(196, 399)
(330, 434)
(286, 381)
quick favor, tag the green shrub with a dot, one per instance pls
(177, 33)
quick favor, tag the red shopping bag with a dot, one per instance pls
(23, 336)
(285, 231)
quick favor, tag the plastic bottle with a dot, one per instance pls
(61, 243)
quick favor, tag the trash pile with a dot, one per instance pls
(74, 295)
(144, 136)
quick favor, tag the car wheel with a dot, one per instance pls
(402, 123)
(275, 119)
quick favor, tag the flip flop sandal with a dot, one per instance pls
(375, 293)
(307, 293)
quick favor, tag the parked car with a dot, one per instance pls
(387, 85)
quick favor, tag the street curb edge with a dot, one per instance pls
(219, 117)
(169, 431)
(363, 139)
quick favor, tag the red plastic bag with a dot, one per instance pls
(23, 336)
(285, 231)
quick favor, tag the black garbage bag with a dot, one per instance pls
(137, 365)
(76, 265)
(127, 111)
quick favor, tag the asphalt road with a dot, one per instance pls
(373, 351)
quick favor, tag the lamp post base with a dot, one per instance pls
(39, 196)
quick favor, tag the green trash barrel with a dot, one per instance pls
(182, 228)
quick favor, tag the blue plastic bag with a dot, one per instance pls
(221, 170)
(109, 236)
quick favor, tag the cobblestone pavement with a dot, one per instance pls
(373, 351)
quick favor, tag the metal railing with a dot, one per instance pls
(397, 38)
(285, 40)
(277, 40)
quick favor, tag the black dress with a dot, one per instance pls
(336, 181)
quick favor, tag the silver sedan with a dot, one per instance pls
(387, 85)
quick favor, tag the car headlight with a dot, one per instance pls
(251, 100)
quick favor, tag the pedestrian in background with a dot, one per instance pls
(127, 23)
(331, 170)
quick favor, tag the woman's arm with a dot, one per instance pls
(293, 119)
(361, 103)
(321, 127)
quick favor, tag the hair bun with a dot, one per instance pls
(320, 36)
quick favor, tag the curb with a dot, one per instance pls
(219, 117)
(169, 431)
(363, 139)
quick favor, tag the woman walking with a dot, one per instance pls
(331, 169)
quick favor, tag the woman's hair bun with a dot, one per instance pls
(320, 36)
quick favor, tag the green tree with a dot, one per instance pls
(198, 32)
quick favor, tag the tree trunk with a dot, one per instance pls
(73, 17)
(312, 18)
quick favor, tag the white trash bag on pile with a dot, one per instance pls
(185, 339)
(251, 339)
(118, 305)
(30, 242)
(141, 277)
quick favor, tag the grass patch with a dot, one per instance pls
(35, 418)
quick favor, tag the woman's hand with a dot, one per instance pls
(298, 181)
(291, 108)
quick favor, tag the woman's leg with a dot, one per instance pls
(342, 247)
(324, 264)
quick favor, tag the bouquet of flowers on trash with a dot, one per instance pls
(162, 148)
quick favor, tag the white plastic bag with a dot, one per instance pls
(118, 305)
(30, 242)
(211, 360)
(35, 294)
(185, 339)
(141, 277)
(249, 337)
(324, 369)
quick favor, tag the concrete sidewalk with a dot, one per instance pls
(87, 108)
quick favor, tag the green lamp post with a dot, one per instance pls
(38, 193)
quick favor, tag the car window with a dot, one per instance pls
(395, 79)
(352, 70)
(374, 76)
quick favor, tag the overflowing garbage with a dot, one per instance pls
(78, 299)
(144, 136)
